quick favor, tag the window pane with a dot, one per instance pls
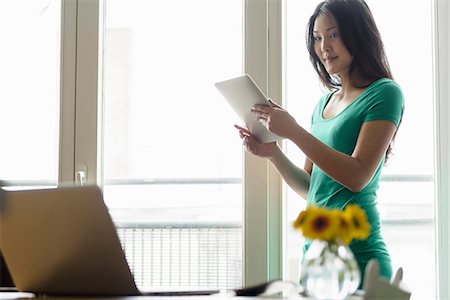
(29, 93)
(406, 194)
(171, 158)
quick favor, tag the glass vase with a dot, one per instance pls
(329, 270)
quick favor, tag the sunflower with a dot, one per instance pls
(298, 223)
(360, 226)
(318, 223)
(344, 227)
(333, 225)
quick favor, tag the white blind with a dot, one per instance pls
(206, 256)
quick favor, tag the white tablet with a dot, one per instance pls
(242, 94)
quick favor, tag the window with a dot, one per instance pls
(84, 83)
(29, 93)
(92, 121)
(171, 159)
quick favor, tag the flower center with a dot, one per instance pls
(356, 223)
(320, 223)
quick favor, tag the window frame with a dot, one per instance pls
(263, 234)
(68, 87)
(263, 228)
(79, 91)
(441, 35)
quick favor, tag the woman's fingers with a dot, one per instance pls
(242, 129)
(260, 110)
(262, 116)
(243, 132)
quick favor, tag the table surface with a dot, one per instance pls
(18, 295)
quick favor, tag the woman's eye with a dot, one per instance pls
(333, 35)
(317, 38)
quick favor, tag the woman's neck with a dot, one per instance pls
(349, 86)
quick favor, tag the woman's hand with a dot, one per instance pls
(276, 119)
(295, 177)
(253, 146)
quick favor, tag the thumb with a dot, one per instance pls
(273, 103)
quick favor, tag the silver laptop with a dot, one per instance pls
(63, 241)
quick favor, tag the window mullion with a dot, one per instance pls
(442, 160)
(276, 201)
(262, 187)
(86, 107)
(67, 96)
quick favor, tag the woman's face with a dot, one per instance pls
(329, 47)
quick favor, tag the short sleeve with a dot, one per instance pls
(387, 103)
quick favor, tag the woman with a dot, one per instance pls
(353, 125)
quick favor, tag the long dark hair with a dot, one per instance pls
(360, 35)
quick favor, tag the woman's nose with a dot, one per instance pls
(325, 45)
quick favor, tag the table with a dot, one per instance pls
(21, 296)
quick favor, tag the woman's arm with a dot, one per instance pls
(297, 178)
(352, 171)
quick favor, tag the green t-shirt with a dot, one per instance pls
(382, 100)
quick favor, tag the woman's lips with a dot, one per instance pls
(330, 59)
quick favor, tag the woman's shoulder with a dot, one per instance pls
(385, 89)
(385, 100)
(386, 84)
